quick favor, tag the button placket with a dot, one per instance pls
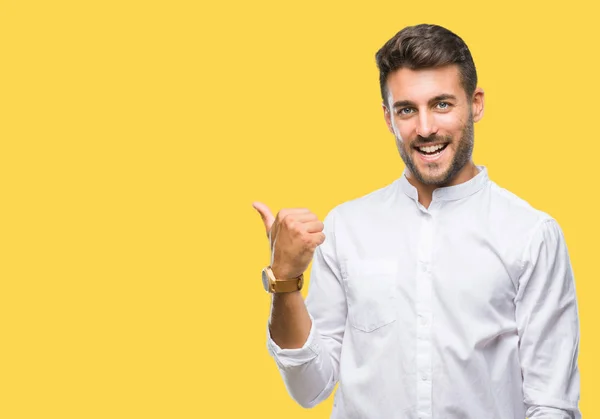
(423, 307)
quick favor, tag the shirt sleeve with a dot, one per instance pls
(548, 326)
(310, 373)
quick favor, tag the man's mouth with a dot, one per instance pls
(431, 150)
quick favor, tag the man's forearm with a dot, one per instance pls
(290, 323)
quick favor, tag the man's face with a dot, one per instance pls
(432, 119)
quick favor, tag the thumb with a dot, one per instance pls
(265, 214)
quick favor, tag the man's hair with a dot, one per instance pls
(422, 47)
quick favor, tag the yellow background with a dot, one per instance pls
(136, 134)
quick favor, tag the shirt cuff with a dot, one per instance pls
(543, 405)
(287, 358)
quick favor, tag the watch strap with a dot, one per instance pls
(287, 285)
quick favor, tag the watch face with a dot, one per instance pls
(265, 280)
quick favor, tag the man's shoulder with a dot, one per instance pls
(511, 211)
(367, 202)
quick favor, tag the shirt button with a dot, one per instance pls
(424, 377)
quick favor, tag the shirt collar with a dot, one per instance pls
(449, 193)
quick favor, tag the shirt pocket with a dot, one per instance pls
(371, 292)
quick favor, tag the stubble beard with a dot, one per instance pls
(462, 156)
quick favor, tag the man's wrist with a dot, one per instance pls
(281, 273)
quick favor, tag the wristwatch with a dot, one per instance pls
(274, 285)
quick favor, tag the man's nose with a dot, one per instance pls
(426, 125)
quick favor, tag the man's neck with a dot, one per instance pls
(468, 172)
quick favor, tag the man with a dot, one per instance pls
(440, 295)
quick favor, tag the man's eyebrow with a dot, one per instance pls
(443, 97)
(403, 103)
(439, 98)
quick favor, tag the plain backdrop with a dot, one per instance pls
(134, 136)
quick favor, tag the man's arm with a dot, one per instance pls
(290, 324)
(306, 347)
(548, 325)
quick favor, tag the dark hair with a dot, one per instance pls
(425, 46)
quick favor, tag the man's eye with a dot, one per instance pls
(443, 105)
(405, 111)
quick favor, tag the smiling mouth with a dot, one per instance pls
(431, 150)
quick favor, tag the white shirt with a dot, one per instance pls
(463, 310)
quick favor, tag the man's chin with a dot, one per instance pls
(431, 174)
(432, 177)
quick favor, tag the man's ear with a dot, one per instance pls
(478, 104)
(388, 117)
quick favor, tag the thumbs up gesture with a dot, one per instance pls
(294, 234)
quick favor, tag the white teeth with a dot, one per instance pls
(431, 149)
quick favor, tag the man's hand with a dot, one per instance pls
(294, 234)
